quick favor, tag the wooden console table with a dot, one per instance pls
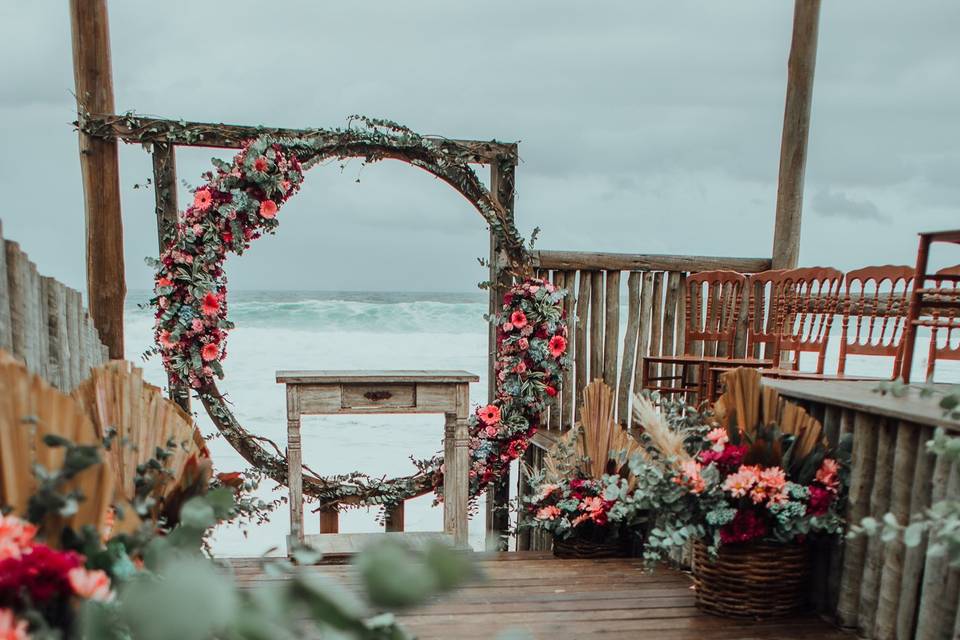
(358, 392)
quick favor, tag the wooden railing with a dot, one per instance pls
(44, 322)
(601, 342)
(883, 588)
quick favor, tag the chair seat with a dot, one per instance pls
(789, 374)
(692, 359)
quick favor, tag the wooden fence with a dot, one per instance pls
(44, 322)
(605, 345)
(885, 589)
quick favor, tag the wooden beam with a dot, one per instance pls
(592, 260)
(99, 166)
(796, 128)
(138, 129)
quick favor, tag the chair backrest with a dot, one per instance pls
(713, 300)
(762, 312)
(809, 298)
(875, 306)
(945, 334)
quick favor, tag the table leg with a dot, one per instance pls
(455, 484)
(294, 465)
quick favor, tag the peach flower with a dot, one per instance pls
(210, 351)
(268, 209)
(548, 513)
(828, 474)
(16, 535)
(202, 199)
(718, 437)
(90, 585)
(11, 628)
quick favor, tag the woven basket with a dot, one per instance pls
(584, 548)
(753, 580)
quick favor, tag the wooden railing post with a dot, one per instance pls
(796, 127)
(99, 166)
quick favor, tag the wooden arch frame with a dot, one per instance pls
(508, 255)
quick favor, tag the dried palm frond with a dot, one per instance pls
(30, 410)
(668, 442)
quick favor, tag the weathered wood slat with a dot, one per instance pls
(670, 309)
(879, 505)
(631, 333)
(6, 335)
(913, 559)
(553, 402)
(596, 324)
(587, 260)
(582, 354)
(656, 322)
(58, 351)
(611, 329)
(644, 328)
(935, 618)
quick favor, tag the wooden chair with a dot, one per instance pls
(762, 313)
(874, 319)
(945, 328)
(713, 302)
(809, 299)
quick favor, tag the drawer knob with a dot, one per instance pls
(377, 395)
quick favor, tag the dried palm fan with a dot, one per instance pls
(31, 409)
(116, 397)
(598, 445)
(748, 406)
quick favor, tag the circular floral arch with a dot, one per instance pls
(240, 202)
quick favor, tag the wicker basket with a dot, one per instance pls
(753, 580)
(585, 548)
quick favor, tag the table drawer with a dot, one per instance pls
(370, 396)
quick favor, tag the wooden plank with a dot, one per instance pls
(43, 328)
(100, 171)
(796, 127)
(596, 325)
(932, 619)
(611, 330)
(865, 439)
(329, 520)
(582, 353)
(862, 396)
(553, 402)
(393, 517)
(568, 386)
(592, 260)
(24, 303)
(644, 330)
(374, 376)
(6, 335)
(914, 557)
(58, 349)
(141, 129)
(656, 322)
(74, 312)
(340, 545)
(904, 463)
(670, 304)
(879, 505)
(631, 333)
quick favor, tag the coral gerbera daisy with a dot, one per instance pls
(211, 304)
(490, 414)
(210, 351)
(268, 209)
(202, 199)
(260, 164)
(518, 319)
(557, 346)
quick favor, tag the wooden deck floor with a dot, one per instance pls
(560, 599)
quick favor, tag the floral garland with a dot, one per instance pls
(240, 203)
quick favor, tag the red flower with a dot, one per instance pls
(210, 351)
(820, 500)
(260, 164)
(41, 573)
(746, 526)
(268, 209)
(731, 456)
(164, 281)
(489, 414)
(211, 304)
(557, 346)
(508, 298)
(551, 391)
(518, 319)
(227, 237)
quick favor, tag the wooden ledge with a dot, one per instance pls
(374, 376)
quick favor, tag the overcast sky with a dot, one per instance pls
(646, 127)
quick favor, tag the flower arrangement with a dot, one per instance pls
(736, 479)
(531, 356)
(585, 497)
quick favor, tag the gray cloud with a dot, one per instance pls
(836, 204)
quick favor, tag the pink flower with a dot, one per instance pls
(196, 324)
(210, 351)
(828, 474)
(518, 319)
(491, 431)
(548, 513)
(90, 585)
(773, 479)
(691, 475)
(16, 535)
(557, 346)
(11, 628)
(211, 305)
(202, 199)
(591, 504)
(166, 341)
(523, 344)
(718, 437)
(489, 414)
(740, 483)
(545, 491)
(521, 367)
(507, 327)
(268, 209)
(260, 164)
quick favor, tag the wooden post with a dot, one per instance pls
(165, 192)
(99, 166)
(796, 127)
(498, 494)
